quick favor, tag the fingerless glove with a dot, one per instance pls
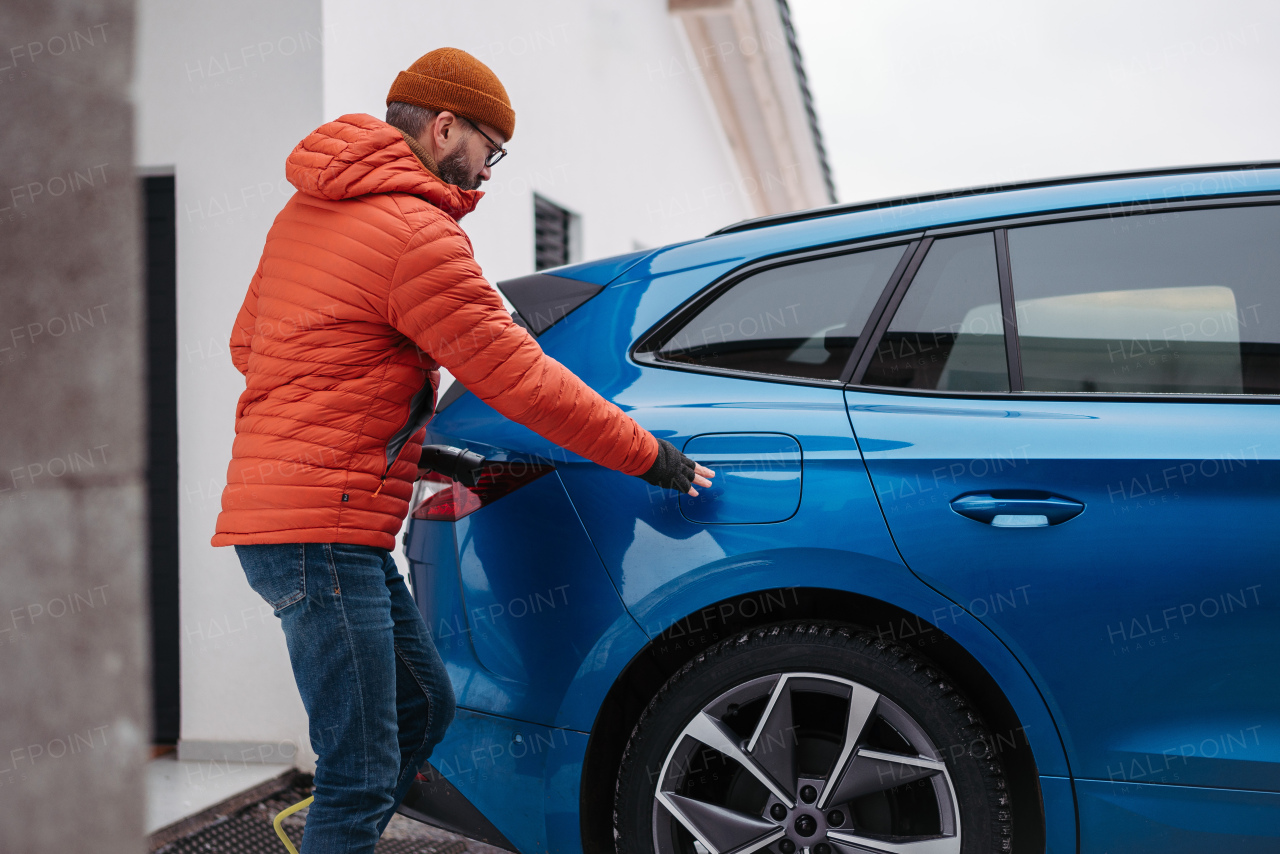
(671, 469)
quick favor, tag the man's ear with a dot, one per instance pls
(446, 125)
(440, 134)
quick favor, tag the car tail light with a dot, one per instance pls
(456, 500)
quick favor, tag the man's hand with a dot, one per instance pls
(673, 470)
(702, 480)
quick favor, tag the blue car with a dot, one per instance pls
(991, 561)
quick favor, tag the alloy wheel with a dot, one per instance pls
(804, 762)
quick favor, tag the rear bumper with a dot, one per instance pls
(434, 800)
(509, 783)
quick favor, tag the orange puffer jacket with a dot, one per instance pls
(367, 285)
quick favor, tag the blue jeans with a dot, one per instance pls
(377, 696)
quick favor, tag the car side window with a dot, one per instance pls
(948, 332)
(798, 320)
(1169, 302)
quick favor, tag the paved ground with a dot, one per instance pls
(237, 827)
(176, 789)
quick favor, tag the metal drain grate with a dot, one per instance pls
(249, 831)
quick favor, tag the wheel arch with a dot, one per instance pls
(667, 651)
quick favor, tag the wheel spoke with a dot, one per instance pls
(852, 843)
(876, 771)
(720, 829)
(862, 705)
(716, 818)
(713, 733)
(773, 744)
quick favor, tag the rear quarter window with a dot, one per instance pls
(799, 320)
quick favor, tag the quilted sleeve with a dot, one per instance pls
(242, 332)
(441, 301)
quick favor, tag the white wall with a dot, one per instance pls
(223, 92)
(613, 123)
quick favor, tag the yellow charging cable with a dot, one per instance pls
(282, 815)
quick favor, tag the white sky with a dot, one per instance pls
(925, 95)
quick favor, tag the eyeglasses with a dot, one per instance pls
(498, 151)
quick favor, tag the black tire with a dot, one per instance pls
(972, 787)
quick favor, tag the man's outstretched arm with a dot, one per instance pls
(441, 301)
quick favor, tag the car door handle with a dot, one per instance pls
(1006, 508)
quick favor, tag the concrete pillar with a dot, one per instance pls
(73, 666)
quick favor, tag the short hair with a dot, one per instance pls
(409, 118)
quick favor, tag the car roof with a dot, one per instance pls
(1091, 189)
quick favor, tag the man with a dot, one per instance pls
(366, 286)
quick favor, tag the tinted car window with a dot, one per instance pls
(948, 333)
(800, 320)
(1180, 301)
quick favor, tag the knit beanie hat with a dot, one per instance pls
(454, 80)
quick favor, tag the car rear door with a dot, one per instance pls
(1096, 477)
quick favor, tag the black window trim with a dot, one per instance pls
(918, 243)
(643, 351)
(1108, 397)
(889, 306)
(903, 269)
(1012, 344)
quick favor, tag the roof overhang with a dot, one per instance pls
(746, 52)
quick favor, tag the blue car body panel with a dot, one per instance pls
(1142, 818)
(521, 644)
(1073, 621)
(1059, 813)
(1118, 598)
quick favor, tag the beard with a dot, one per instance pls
(455, 170)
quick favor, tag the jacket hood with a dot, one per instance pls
(358, 155)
